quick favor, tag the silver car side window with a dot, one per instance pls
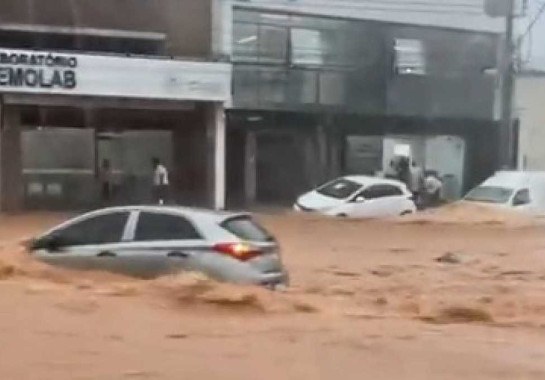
(156, 226)
(101, 229)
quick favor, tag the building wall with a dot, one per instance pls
(467, 14)
(304, 63)
(454, 84)
(530, 94)
(186, 23)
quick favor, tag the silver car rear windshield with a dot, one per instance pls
(246, 228)
(339, 189)
(490, 194)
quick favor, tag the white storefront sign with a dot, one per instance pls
(37, 72)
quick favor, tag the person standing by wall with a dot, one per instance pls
(160, 181)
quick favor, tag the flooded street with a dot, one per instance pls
(453, 295)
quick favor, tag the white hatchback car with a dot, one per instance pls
(359, 197)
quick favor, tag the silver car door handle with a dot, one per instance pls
(178, 254)
(106, 254)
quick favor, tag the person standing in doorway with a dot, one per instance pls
(105, 176)
(160, 181)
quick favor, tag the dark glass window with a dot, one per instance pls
(245, 38)
(332, 88)
(273, 86)
(298, 61)
(340, 189)
(490, 194)
(307, 47)
(315, 47)
(522, 198)
(152, 226)
(260, 43)
(101, 229)
(247, 229)
(246, 85)
(302, 87)
(381, 191)
(273, 44)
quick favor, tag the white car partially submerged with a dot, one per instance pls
(514, 190)
(359, 197)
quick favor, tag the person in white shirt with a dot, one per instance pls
(160, 181)
(434, 188)
(416, 181)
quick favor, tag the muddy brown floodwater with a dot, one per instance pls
(455, 294)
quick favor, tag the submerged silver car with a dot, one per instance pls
(149, 241)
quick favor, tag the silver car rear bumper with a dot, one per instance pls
(274, 279)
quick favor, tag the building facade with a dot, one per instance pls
(244, 101)
(531, 120)
(84, 82)
(317, 96)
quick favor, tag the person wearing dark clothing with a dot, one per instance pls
(404, 172)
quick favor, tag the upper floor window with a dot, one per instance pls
(307, 47)
(260, 43)
(409, 57)
(284, 39)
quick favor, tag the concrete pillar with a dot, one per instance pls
(250, 168)
(215, 147)
(222, 29)
(335, 142)
(307, 142)
(322, 158)
(11, 166)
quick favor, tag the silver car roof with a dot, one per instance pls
(194, 213)
(200, 216)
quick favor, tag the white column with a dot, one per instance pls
(222, 28)
(335, 151)
(216, 155)
(322, 153)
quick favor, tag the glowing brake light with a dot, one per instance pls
(239, 251)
